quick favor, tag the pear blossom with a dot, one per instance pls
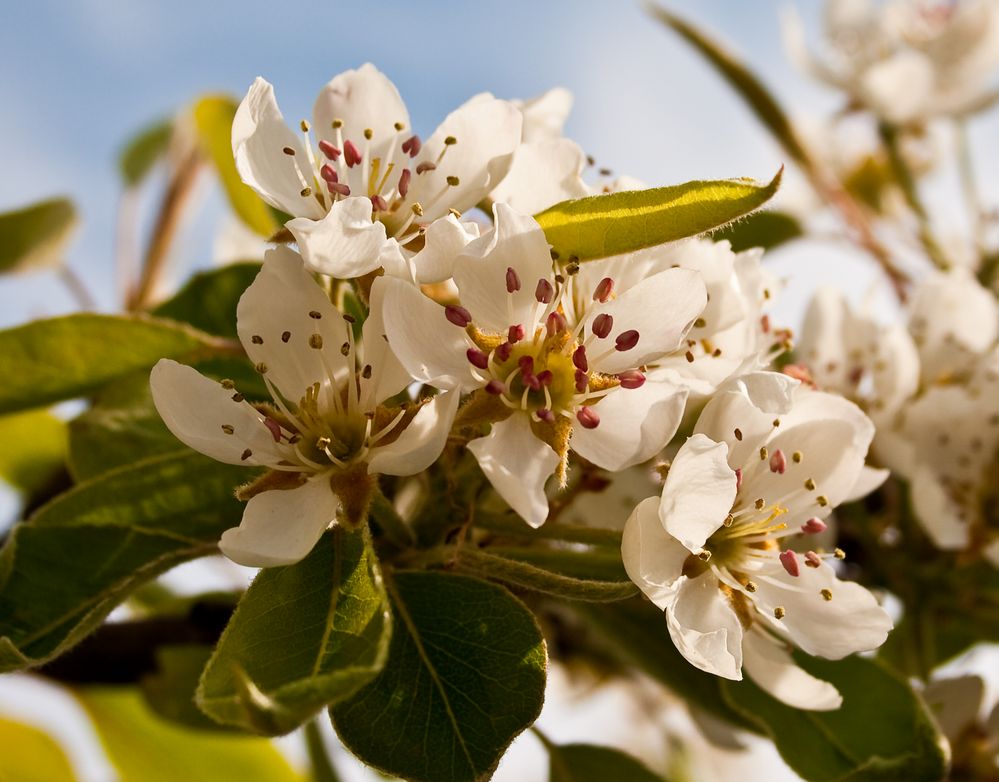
(331, 426)
(555, 359)
(725, 550)
(358, 183)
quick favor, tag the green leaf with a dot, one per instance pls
(602, 225)
(302, 637)
(34, 449)
(761, 229)
(881, 733)
(592, 763)
(635, 632)
(29, 755)
(143, 151)
(213, 115)
(742, 80)
(145, 748)
(465, 675)
(66, 568)
(170, 690)
(36, 235)
(63, 358)
(208, 300)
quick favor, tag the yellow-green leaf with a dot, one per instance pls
(143, 151)
(213, 115)
(36, 235)
(34, 449)
(599, 226)
(29, 755)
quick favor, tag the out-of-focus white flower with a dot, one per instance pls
(768, 461)
(328, 430)
(358, 177)
(550, 356)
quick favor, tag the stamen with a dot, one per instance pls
(503, 351)
(403, 186)
(425, 166)
(245, 455)
(813, 526)
(515, 334)
(779, 612)
(602, 325)
(812, 559)
(554, 323)
(544, 291)
(626, 340)
(329, 151)
(228, 428)
(603, 290)
(738, 434)
(351, 154)
(778, 462)
(512, 280)
(826, 594)
(378, 203)
(546, 415)
(738, 479)
(477, 358)
(763, 454)
(457, 315)
(274, 427)
(495, 387)
(582, 381)
(411, 147)
(588, 417)
(790, 562)
(452, 180)
(632, 378)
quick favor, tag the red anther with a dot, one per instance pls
(626, 340)
(813, 526)
(588, 417)
(544, 291)
(339, 188)
(738, 478)
(545, 377)
(531, 381)
(579, 359)
(632, 378)
(404, 178)
(799, 372)
(765, 324)
(603, 290)
(812, 559)
(477, 358)
(526, 364)
(512, 280)
(328, 173)
(582, 381)
(351, 154)
(503, 351)
(546, 415)
(495, 387)
(274, 427)
(790, 562)
(778, 462)
(411, 146)
(378, 203)
(515, 334)
(602, 325)
(555, 323)
(331, 152)
(457, 315)
(425, 166)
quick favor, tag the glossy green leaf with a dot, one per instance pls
(881, 733)
(635, 632)
(213, 115)
(63, 358)
(30, 755)
(303, 636)
(34, 449)
(143, 151)
(146, 748)
(36, 235)
(602, 225)
(761, 229)
(169, 691)
(66, 568)
(741, 79)
(592, 763)
(465, 675)
(208, 300)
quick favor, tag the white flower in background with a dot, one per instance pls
(724, 550)
(547, 167)
(556, 359)
(328, 429)
(357, 176)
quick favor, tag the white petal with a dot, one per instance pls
(259, 136)
(771, 666)
(362, 99)
(652, 558)
(545, 115)
(635, 424)
(518, 465)
(704, 627)
(698, 493)
(346, 243)
(280, 301)
(430, 347)
(870, 478)
(661, 308)
(388, 375)
(898, 88)
(544, 172)
(852, 621)
(195, 408)
(281, 526)
(955, 703)
(943, 519)
(421, 442)
(516, 242)
(991, 553)
(444, 241)
(487, 132)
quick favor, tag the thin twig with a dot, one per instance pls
(77, 289)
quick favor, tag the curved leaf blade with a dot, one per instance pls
(34, 449)
(465, 675)
(36, 235)
(208, 300)
(30, 755)
(599, 226)
(593, 763)
(143, 151)
(761, 229)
